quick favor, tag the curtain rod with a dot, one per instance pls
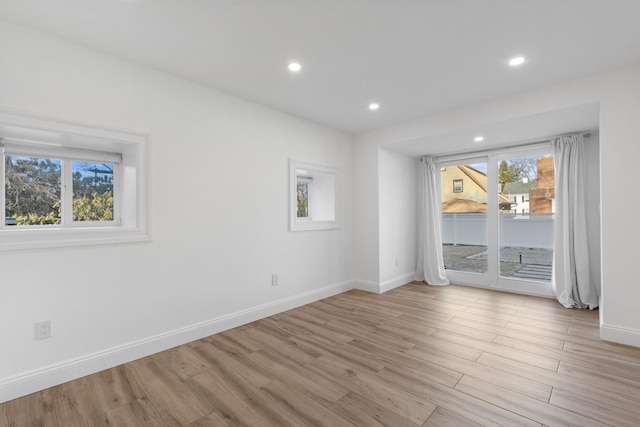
(490, 150)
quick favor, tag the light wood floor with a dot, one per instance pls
(415, 356)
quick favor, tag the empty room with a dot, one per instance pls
(339, 213)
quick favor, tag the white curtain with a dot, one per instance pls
(572, 282)
(430, 266)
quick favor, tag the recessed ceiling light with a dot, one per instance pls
(374, 106)
(478, 138)
(295, 67)
(518, 60)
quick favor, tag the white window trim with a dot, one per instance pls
(64, 134)
(309, 224)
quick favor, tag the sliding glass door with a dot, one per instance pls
(497, 220)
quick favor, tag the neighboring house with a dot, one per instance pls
(464, 190)
(518, 193)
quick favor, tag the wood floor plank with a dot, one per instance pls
(420, 367)
(181, 360)
(237, 402)
(458, 329)
(298, 326)
(113, 387)
(508, 380)
(442, 417)
(299, 377)
(25, 411)
(593, 408)
(284, 346)
(139, 412)
(578, 384)
(558, 344)
(211, 420)
(410, 331)
(614, 365)
(176, 401)
(234, 365)
(530, 408)
(321, 308)
(363, 412)
(380, 336)
(395, 399)
(453, 400)
(612, 389)
(476, 317)
(298, 409)
(591, 332)
(540, 324)
(630, 361)
(500, 312)
(494, 348)
(235, 341)
(357, 359)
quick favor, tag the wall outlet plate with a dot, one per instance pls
(43, 330)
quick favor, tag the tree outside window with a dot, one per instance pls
(33, 191)
(303, 199)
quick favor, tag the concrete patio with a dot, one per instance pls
(516, 262)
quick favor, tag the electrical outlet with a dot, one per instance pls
(274, 280)
(397, 262)
(43, 330)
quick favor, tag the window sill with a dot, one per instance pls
(314, 225)
(23, 239)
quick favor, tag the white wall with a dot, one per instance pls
(397, 216)
(592, 184)
(365, 214)
(219, 215)
(618, 93)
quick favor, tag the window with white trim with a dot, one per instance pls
(59, 187)
(313, 197)
(67, 183)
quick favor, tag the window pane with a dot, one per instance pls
(92, 191)
(32, 191)
(464, 217)
(526, 226)
(303, 199)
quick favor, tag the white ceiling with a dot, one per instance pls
(414, 57)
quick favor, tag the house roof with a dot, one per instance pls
(463, 206)
(519, 187)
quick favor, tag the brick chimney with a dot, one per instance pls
(540, 197)
(545, 173)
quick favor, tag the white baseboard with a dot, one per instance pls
(397, 281)
(620, 335)
(49, 376)
(387, 285)
(366, 285)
